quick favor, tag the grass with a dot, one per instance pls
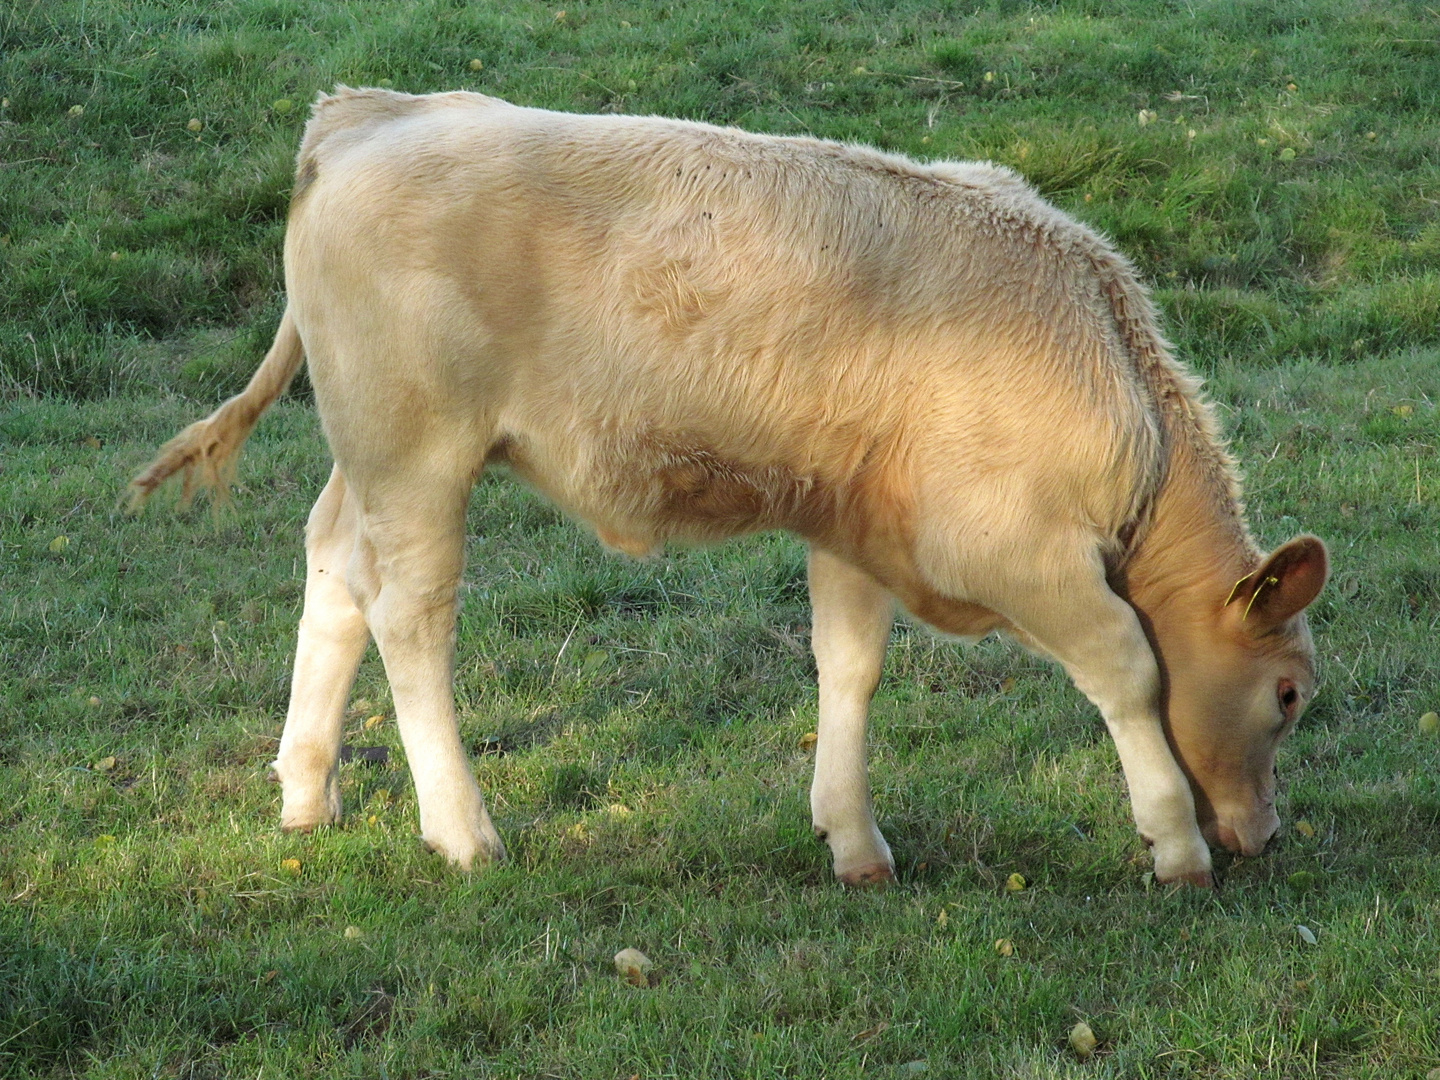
(1282, 191)
(648, 776)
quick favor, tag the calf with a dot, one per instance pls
(956, 394)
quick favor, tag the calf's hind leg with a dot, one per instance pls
(404, 574)
(331, 640)
(852, 616)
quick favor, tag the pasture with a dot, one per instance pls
(639, 727)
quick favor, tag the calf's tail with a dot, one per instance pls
(206, 451)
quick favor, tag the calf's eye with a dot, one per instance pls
(1288, 698)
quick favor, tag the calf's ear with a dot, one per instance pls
(1284, 586)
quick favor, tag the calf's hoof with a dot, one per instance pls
(859, 854)
(310, 815)
(471, 855)
(1189, 869)
(1184, 858)
(303, 827)
(1201, 879)
(866, 877)
(308, 799)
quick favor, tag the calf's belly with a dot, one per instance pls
(638, 498)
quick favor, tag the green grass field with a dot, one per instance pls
(1273, 167)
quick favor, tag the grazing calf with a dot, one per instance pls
(954, 392)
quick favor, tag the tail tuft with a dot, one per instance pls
(206, 452)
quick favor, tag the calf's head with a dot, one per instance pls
(1238, 675)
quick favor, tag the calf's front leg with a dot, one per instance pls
(1077, 619)
(852, 616)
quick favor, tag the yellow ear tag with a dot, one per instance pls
(1269, 580)
(1235, 589)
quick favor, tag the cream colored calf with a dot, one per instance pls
(955, 393)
